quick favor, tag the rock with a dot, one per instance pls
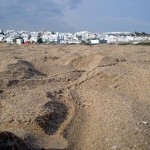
(145, 122)
(114, 147)
(1, 91)
(49, 95)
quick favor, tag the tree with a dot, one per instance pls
(53, 32)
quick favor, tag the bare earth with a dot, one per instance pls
(76, 97)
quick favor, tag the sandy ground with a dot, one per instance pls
(76, 97)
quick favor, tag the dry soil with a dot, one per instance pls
(76, 97)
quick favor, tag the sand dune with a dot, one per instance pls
(76, 97)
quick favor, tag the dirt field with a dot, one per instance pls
(76, 97)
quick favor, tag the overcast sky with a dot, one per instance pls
(76, 15)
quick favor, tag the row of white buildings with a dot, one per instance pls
(20, 37)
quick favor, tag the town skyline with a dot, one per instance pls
(83, 37)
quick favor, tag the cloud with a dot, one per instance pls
(127, 20)
(35, 14)
(69, 4)
(29, 8)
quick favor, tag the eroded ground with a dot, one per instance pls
(76, 97)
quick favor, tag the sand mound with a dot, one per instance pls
(39, 108)
(110, 61)
(65, 72)
(45, 116)
(20, 70)
(9, 141)
(83, 62)
(115, 109)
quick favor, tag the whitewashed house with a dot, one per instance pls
(19, 41)
(1, 37)
(26, 37)
(10, 40)
(34, 37)
(54, 38)
(93, 42)
(49, 37)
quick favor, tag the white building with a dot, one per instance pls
(10, 40)
(49, 37)
(19, 41)
(34, 37)
(94, 41)
(1, 37)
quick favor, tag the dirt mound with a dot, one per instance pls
(115, 111)
(110, 61)
(37, 117)
(62, 71)
(20, 70)
(83, 62)
(39, 108)
(9, 141)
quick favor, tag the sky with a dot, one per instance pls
(76, 15)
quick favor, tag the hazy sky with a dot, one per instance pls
(76, 15)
